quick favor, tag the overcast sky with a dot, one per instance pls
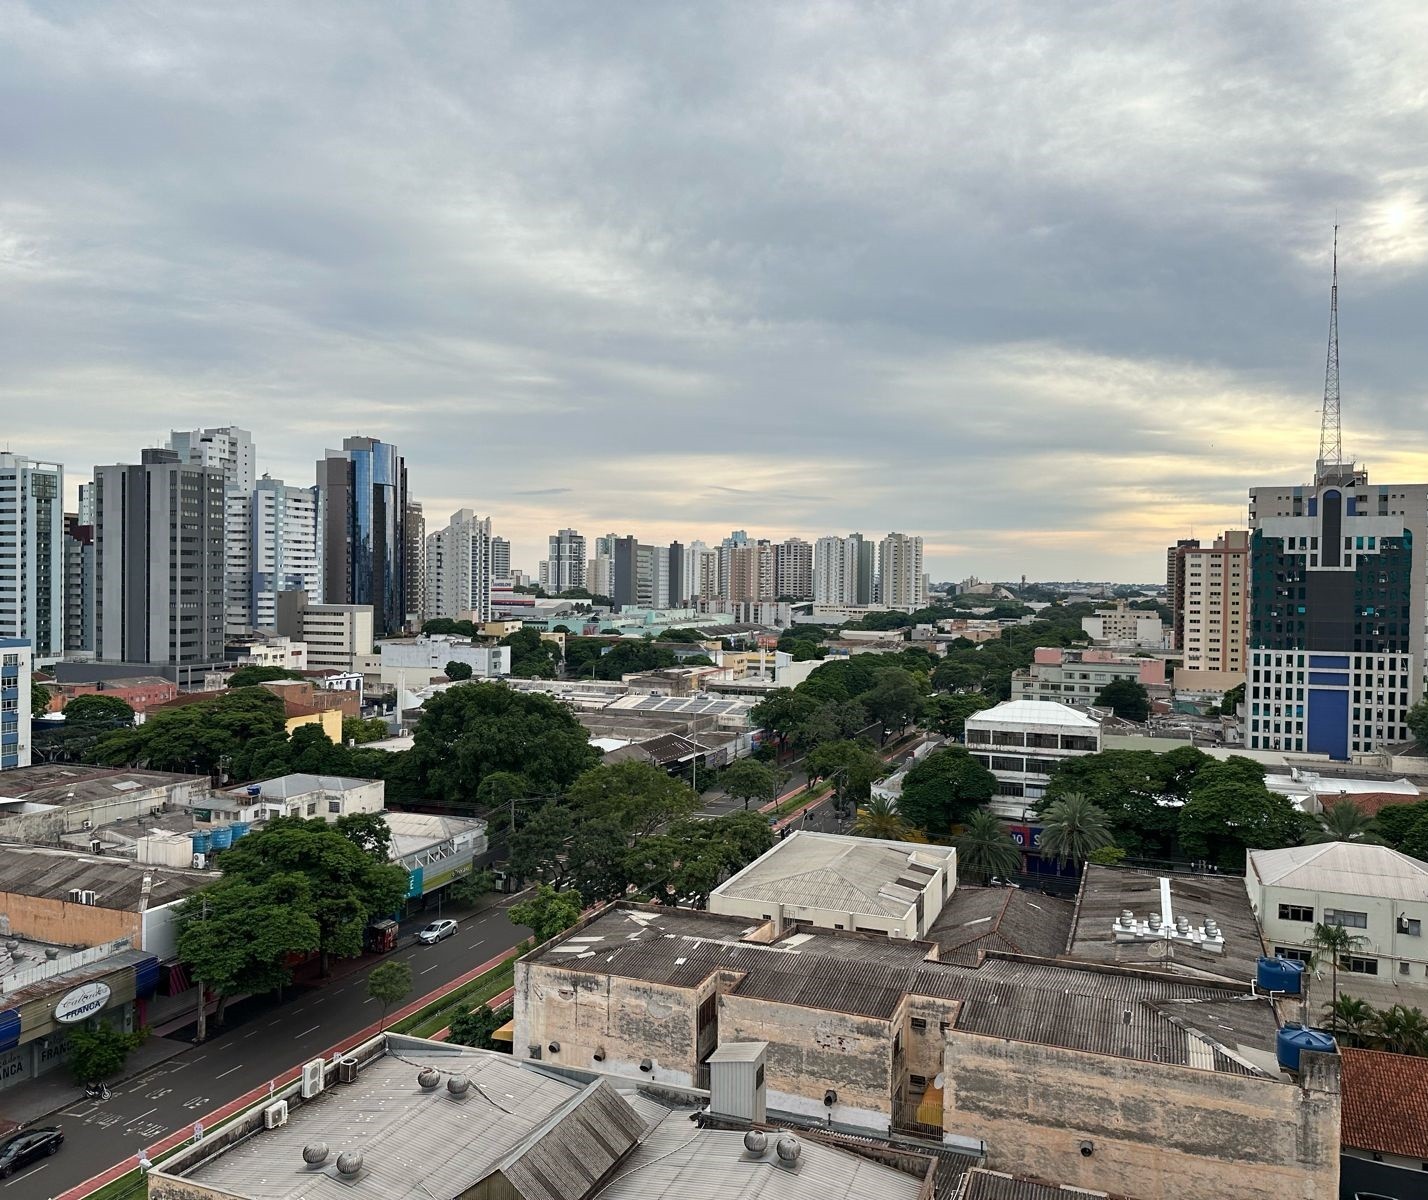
(1046, 284)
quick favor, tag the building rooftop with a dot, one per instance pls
(1107, 891)
(116, 883)
(414, 832)
(844, 874)
(1348, 868)
(286, 787)
(981, 1184)
(700, 705)
(1131, 1014)
(70, 783)
(1385, 1103)
(977, 919)
(1034, 712)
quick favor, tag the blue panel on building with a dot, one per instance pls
(9, 1029)
(1336, 661)
(146, 978)
(1328, 679)
(415, 881)
(1328, 726)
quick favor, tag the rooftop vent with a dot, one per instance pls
(457, 1085)
(349, 1163)
(756, 1141)
(314, 1153)
(788, 1149)
(429, 1079)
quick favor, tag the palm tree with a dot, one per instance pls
(1344, 821)
(986, 849)
(1352, 1021)
(879, 818)
(1332, 943)
(1072, 828)
(1401, 1030)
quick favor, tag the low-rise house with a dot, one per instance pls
(414, 663)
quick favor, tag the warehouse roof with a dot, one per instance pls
(1348, 868)
(116, 883)
(850, 875)
(977, 919)
(69, 783)
(1130, 1014)
(981, 1184)
(1385, 1103)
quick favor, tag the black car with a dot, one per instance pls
(20, 1149)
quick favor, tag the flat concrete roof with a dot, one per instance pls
(71, 783)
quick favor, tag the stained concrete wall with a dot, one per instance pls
(68, 924)
(1157, 1132)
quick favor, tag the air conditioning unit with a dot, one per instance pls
(311, 1078)
(87, 897)
(74, 896)
(199, 862)
(96, 846)
(275, 1115)
(347, 1070)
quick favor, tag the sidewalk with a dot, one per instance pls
(27, 1102)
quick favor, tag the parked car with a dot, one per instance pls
(23, 1148)
(437, 930)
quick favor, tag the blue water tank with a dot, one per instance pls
(1295, 1039)
(222, 837)
(255, 790)
(202, 842)
(241, 828)
(1280, 975)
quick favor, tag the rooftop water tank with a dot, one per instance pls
(255, 789)
(241, 829)
(1280, 975)
(202, 842)
(222, 838)
(1295, 1039)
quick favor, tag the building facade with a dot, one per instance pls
(78, 588)
(1078, 676)
(1174, 585)
(159, 561)
(1213, 610)
(362, 509)
(1022, 742)
(1122, 625)
(836, 571)
(459, 569)
(901, 583)
(32, 570)
(15, 672)
(337, 636)
(500, 558)
(793, 570)
(283, 550)
(565, 565)
(414, 567)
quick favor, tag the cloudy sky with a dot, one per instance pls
(1046, 284)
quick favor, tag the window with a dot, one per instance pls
(312, 809)
(1295, 912)
(917, 1083)
(1293, 953)
(1359, 966)
(1411, 926)
(334, 806)
(919, 1022)
(1349, 920)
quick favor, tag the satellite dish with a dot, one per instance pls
(939, 1081)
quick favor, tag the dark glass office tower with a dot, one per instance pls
(362, 490)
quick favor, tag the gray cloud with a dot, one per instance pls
(1046, 285)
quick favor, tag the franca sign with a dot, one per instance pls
(82, 1002)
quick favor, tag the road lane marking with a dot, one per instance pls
(305, 1032)
(27, 1175)
(230, 1071)
(431, 968)
(141, 1116)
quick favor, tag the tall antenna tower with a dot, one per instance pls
(1331, 442)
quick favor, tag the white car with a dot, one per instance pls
(437, 930)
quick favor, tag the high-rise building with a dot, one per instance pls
(458, 568)
(599, 575)
(794, 569)
(901, 583)
(158, 561)
(1214, 604)
(1175, 586)
(500, 559)
(228, 450)
(78, 587)
(678, 590)
(414, 566)
(16, 663)
(32, 555)
(625, 573)
(282, 548)
(362, 499)
(565, 567)
(739, 566)
(835, 571)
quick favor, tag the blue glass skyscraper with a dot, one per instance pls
(362, 492)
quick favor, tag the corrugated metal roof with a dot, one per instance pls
(981, 1184)
(1348, 868)
(564, 1158)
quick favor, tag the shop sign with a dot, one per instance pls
(83, 1002)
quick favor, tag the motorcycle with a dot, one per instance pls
(96, 1091)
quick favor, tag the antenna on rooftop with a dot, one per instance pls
(1331, 442)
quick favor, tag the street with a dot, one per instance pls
(271, 1038)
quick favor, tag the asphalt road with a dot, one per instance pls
(270, 1039)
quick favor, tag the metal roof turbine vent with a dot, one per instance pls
(788, 1149)
(756, 1141)
(349, 1163)
(429, 1079)
(314, 1153)
(457, 1085)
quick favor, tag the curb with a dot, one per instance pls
(178, 1137)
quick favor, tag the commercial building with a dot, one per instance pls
(834, 882)
(282, 547)
(1212, 608)
(459, 569)
(1124, 626)
(1022, 742)
(362, 510)
(1129, 1082)
(32, 562)
(139, 692)
(300, 795)
(434, 850)
(1375, 893)
(78, 588)
(417, 662)
(273, 651)
(46, 803)
(338, 636)
(501, 559)
(159, 561)
(15, 715)
(901, 583)
(793, 570)
(1078, 676)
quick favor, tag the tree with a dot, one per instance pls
(41, 696)
(948, 713)
(688, 860)
(369, 832)
(532, 656)
(363, 729)
(1394, 822)
(252, 676)
(1140, 793)
(1344, 821)
(198, 736)
(1232, 700)
(348, 886)
(457, 671)
(1417, 721)
(1230, 811)
(1126, 698)
(1333, 943)
(98, 710)
(853, 764)
(1399, 1029)
(547, 913)
(639, 795)
(748, 780)
(98, 1050)
(537, 847)
(942, 789)
(388, 984)
(985, 849)
(895, 701)
(597, 859)
(1073, 829)
(1107, 856)
(1350, 1020)
(879, 818)
(474, 1028)
(470, 888)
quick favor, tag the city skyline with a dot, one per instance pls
(816, 270)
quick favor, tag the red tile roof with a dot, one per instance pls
(1385, 1103)
(1373, 803)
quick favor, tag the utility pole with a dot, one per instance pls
(202, 997)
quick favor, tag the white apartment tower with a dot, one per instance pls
(459, 568)
(565, 567)
(284, 550)
(835, 571)
(793, 569)
(32, 570)
(900, 580)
